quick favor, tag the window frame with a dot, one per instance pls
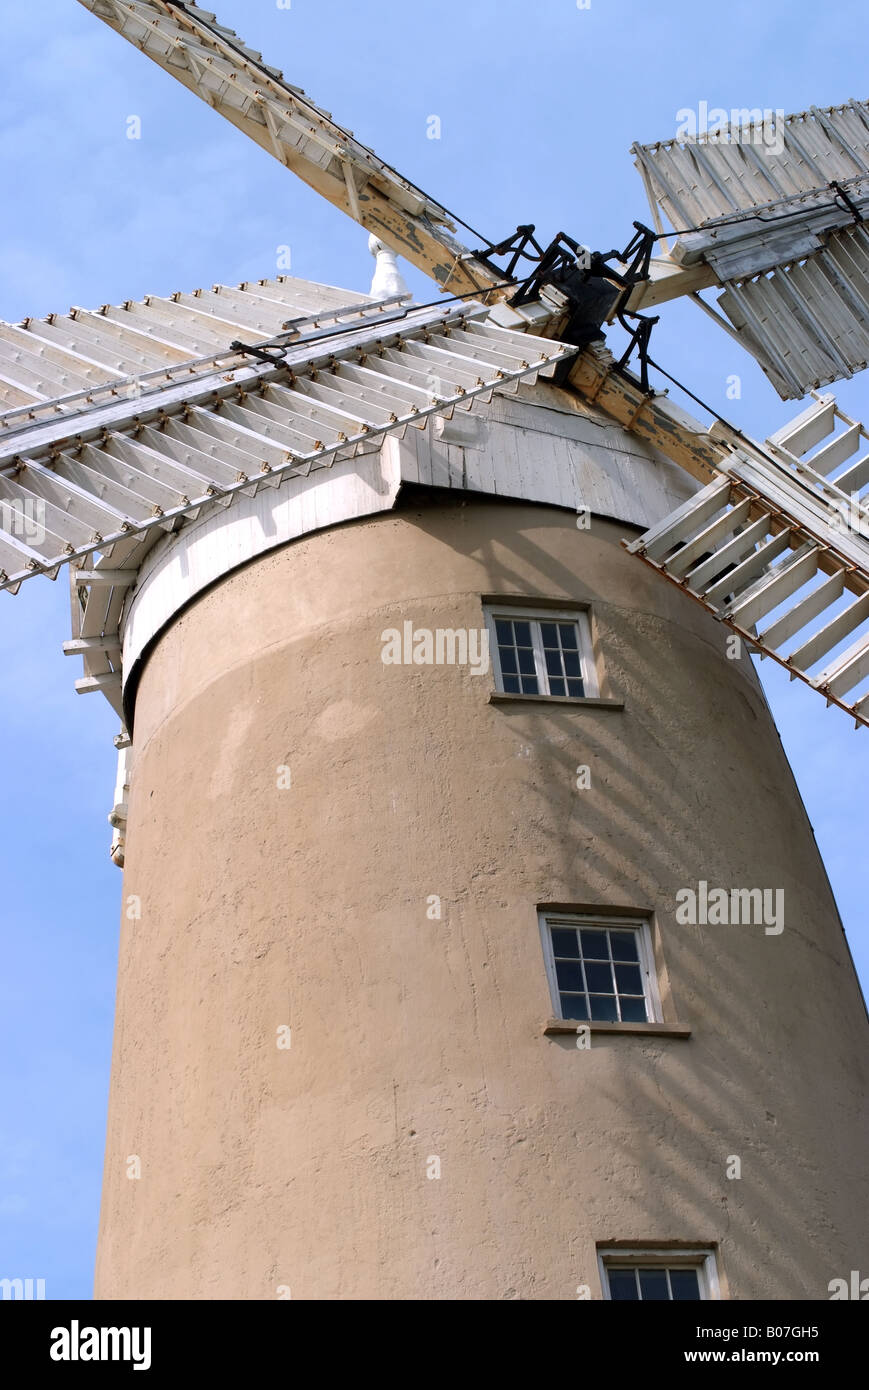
(702, 1259)
(520, 612)
(601, 921)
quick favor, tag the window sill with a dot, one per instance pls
(656, 1030)
(505, 697)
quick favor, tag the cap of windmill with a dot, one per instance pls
(388, 281)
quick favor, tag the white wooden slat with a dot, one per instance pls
(779, 584)
(61, 526)
(392, 387)
(179, 439)
(82, 471)
(99, 367)
(684, 521)
(312, 297)
(854, 477)
(122, 353)
(850, 670)
(368, 402)
(138, 482)
(34, 374)
(15, 395)
(61, 373)
(757, 326)
(175, 332)
(94, 512)
(261, 317)
(823, 641)
(808, 428)
(42, 533)
(813, 304)
(808, 323)
(226, 428)
(330, 413)
(708, 539)
(404, 367)
(350, 412)
(789, 624)
(837, 451)
(184, 483)
(483, 357)
(297, 430)
(207, 324)
(437, 363)
(298, 425)
(746, 553)
(14, 557)
(482, 348)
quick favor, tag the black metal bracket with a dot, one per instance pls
(260, 353)
(640, 336)
(516, 246)
(562, 259)
(847, 200)
(592, 288)
(637, 256)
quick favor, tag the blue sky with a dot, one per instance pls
(539, 106)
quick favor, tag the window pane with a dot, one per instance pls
(558, 648)
(624, 944)
(574, 1006)
(594, 945)
(526, 661)
(623, 1285)
(511, 685)
(685, 1285)
(569, 974)
(653, 1284)
(603, 1008)
(628, 979)
(614, 989)
(633, 1010)
(599, 977)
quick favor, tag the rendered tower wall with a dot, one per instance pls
(265, 906)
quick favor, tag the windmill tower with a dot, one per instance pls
(468, 897)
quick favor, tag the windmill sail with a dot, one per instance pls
(64, 363)
(778, 551)
(95, 481)
(146, 461)
(774, 209)
(211, 60)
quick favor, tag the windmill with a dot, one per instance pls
(159, 449)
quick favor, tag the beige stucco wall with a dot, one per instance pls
(414, 1037)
